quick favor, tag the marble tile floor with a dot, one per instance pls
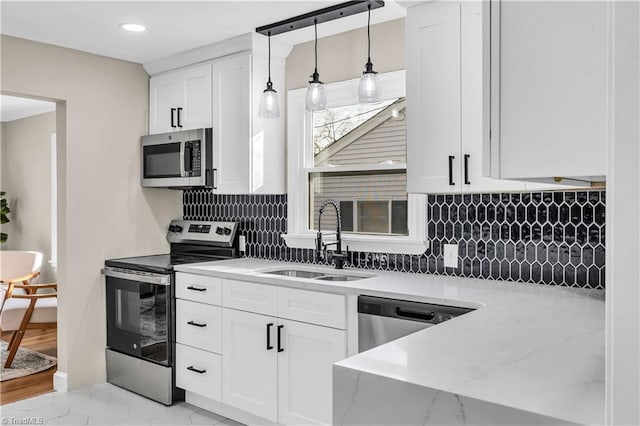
(105, 404)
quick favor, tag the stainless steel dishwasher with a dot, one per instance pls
(381, 320)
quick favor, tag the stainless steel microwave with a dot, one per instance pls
(178, 159)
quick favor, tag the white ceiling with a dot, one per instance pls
(172, 26)
(14, 108)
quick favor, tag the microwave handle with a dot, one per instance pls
(182, 172)
(187, 161)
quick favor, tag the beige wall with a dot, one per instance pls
(102, 210)
(342, 56)
(26, 177)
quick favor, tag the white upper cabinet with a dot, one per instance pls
(232, 124)
(546, 89)
(180, 100)
(444, 100)
(223, 92)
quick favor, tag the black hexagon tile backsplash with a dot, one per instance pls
(555, 238)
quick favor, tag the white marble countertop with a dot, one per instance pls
(527, 346)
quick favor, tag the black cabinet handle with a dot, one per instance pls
(179, 125)
(280, 348)
(269, 345)
(173, 124)
(196, 370)
(197, 324)
(196, 288)
(451, 158)
(466, 169)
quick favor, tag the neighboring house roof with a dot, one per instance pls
(380, 118)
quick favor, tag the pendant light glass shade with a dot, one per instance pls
(316, 97)
(269, 105)
(369, 90)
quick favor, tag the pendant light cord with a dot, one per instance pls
(315, 27)
(269, 56)
(369, 35)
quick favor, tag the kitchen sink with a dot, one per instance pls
(297, 273)
(324, 276)
(340, 278)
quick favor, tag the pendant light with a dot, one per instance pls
(269, 107)
(316, 97)
(369, 90)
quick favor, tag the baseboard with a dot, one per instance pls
(60, 382)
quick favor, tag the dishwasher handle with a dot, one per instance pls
(415, 315)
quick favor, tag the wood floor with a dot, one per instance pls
(45, 342)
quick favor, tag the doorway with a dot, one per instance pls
(28, 181)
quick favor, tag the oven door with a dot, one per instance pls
(139, 314)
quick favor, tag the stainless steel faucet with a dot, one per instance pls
(338, 256)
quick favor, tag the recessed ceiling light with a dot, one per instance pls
(136, 28)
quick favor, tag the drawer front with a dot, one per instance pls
(199, 372)
(312, 307)
(258, 298)
(199, 325)
(199, 288)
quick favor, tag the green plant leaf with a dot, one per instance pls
(3, 237)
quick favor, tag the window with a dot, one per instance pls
(356, 155)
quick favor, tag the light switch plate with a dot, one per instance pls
(451, 255)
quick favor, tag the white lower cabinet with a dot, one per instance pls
(305, 372)
(199, 371)
(279, 369)
(263, 349)
(250, 375)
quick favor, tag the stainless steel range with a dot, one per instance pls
(141, 307)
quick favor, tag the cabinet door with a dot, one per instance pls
(433, 97)
(164, 94)
(305, 372)
(232, 139)
(249, 369)
(196, 98)
(549, 88)
(471, 161)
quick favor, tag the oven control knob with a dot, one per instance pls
(219, 230)
(172, 228)
(177, 228)
(227, 231)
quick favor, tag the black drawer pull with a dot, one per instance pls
(280, 348)
(196, 288)
(424, 316)
(195, 370)
(197, 324)
(269, 345)
(451, 182)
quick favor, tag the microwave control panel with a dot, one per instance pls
(193, 155)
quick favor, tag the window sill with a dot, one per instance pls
(366, 243)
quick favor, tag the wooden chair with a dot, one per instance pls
(20, 305)
(28, 310)
(18, 263)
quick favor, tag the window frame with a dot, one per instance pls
(300, 166)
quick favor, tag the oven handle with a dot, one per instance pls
(145, 278)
